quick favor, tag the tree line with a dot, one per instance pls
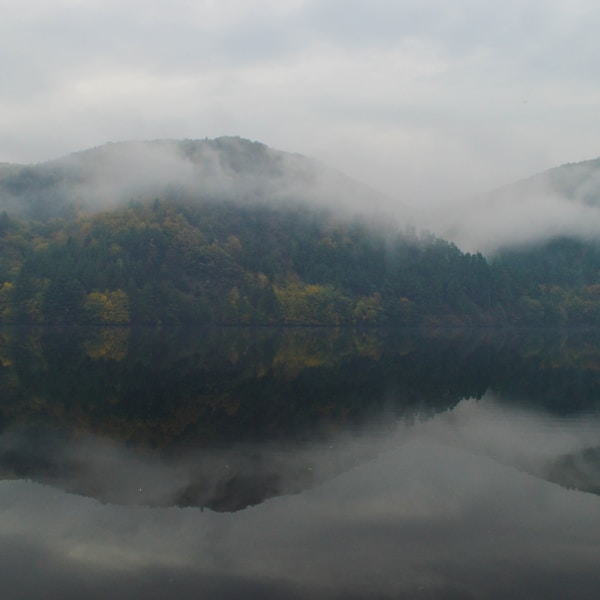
(165, 261)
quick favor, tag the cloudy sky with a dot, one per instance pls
(424, 99)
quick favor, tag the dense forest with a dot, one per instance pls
(249, 253)
(163, 262)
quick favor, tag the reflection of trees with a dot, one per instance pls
(173, 386)
(579, 471)
(171, 392)
(554, 371)
(107, 344)
(162, 386)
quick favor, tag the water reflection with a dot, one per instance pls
(432, 513)
(437, 465)
(219, 413)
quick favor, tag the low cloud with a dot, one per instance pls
(225, 169)
(562, 202)
(513, 220)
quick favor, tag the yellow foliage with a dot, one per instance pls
(233, 244)
(107, 308)
(5, 307)
(311, 304)
(368, 308)
(109, 344)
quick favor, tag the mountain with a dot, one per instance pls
(229, 231)
(563, 201)
(223, 231)
(226, 168)
(577, 182)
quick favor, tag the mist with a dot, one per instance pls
(225, 170)
(559, 202)
(425, 102)
(564, 201)
(512, 220)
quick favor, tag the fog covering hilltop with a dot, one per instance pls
(561, 202)
(229, 231)
(226, 168)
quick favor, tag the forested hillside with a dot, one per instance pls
(162, 262)
(186, 256)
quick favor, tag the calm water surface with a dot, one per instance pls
(299, 464)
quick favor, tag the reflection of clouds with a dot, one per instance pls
(435, 513)
(220, 479)
(100, 536)
(516, 437)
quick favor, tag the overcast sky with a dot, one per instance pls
(427, 100)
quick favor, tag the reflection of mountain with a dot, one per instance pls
(219, 479)
(171, 387)
(174, 387)
(557, 448)
(422, 520)
(227, 417)
(249, 399)
(579, 470)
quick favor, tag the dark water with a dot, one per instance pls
(299, 463)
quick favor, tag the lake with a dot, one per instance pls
(299, 463)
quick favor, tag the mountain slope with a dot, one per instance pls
(560, 202)
(229, 231)
(228, 168)
(178, 261)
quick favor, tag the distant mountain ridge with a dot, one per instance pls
(228, 168)
(579, 182)
(562, 201)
